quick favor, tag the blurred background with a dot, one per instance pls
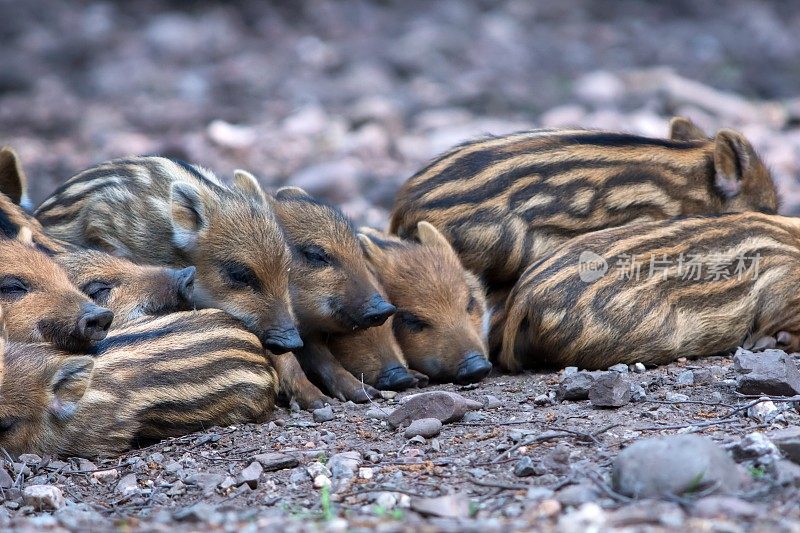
(348, 98)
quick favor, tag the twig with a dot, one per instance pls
(497, 484)
(364, 389)
(761, 399)
(608, 491)
(554, 433)
(381, 489)
(690, 424)
(694, 402)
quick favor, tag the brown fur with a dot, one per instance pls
(40, 302)
(555, 319)
(505, 202)
(13, 181)
(154, 378)
(441, 307)
(157, 211)
(128, 289)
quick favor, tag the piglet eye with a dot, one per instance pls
(7, 424)
(472, 304)
(13, 288)
(98, 291)
(240, 276)
(315, 256)
(410, 321)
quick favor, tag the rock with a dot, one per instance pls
(127, 484)
(424, 427)
(638, 393)
(449, 506)
(321, 481)
(316, 468)
(702, 376)
(272, 462)
(386, 500)
(106, 476)
(622, 368)
(388, 394)
(84, 465)
(648, 512)
(685, 378)
(639, 368)
(366, 473)
(764, 411)
(525, 467)
(587, 517)
(575, 386)
(570, 370)
(772, 372)
(6, 481)
(177, 489)
(197, 513)
(786, 473)
(43, 497)
(444, 406)
(673, 465)
(788, 442)
(610, 390)
(343, 467)
(299, 475)
(557, 460)
(724, 507)
(230, 135)
(30, 459)
(577, 495)
(207, 482)
(542, 399)
(491, 402)
(323, 414)
(676, 397)
(378, 413)
(755, 446)
(250, 475)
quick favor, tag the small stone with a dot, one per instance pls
(105, 476)
(638, 393)
(128, 484)
(491, 402)
(577, 495)
(587, 517)
(323, 414)
(473, 416)
(685, 378)
(764, 411)
(639, 368)
(702, 376)
(388, 394)
(43, 497)
(84, 465)
(449, 506)
(525, 467)
(366, 473)
(30, 459)
(772, 372)
(250, 475)
(386, 500)
(316, 468)
(724, 507)
(676, 397)
(610, 390)
(321, 481)
(424, 427)
(343, 467)
(542, 399)
(445, 406)
(6, 481)
(272, 462)
(575, 386)
(755, 446)
(788, 442)
(206, 481)
(227, 483)
(378, 413)
(299, 475)
(622, 368)
(673, 465)
(547, 509)
(173, 466)
(570, 370)
(177, 489)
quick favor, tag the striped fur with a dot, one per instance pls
(504, 202)
(157, 211)
(154, 378)
(554, 319)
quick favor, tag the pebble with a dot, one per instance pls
(444, 406)
(316, 468)
(6, 481)
(575, 386)
(378, 413)
(424, 427)
(388, 394)
(366, 473)
(43, 497)
(610, 390)
(570, 370)
(250, 475)
(577, 495)
(321, 481)
(702, 376)
(30, 459)
(323, 414)
(106, 476)
(491, 402)
(525, 467)
(764, 412)
(676, 397)
(788, 442)
(685, 378)
(639, 368)
(273, 462)
(127, 484)
(448, 506)
(622, 368)
(757, 446)
(638, 393)
(673, 465)
(724, 507)
(772, 372)
(343, 467)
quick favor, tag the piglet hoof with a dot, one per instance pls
(764, 343)
(311, 398)
(364, 394)
(422, 379)
(788, 340)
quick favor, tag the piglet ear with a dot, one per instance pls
(372, 251)
(247, 183)
(430, 236)
(188, 214)
(683, 129)
(734, 157)
(25, 236)
(13, 181)
(291, 192)
(69, 384)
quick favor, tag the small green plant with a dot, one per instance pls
(696, 484)
(473, 509)
(322, 458)
(395, 514)
(757, 472)
(325, 503)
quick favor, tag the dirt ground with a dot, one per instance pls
(348, 99)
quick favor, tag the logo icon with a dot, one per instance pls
(591, 266)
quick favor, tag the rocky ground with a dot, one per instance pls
(348, 99)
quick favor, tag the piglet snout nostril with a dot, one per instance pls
(473, 368)
(185, 281)
(376, 311)
(94, 322)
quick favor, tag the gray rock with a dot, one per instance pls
(378, 413)
(639, 368)
(43, 497)
(30, 459)
(676, 397)
(725, 507)
(610, 390)
(771, 372)
(444, 406)
(638, 393)
(127, 484)
(525, 467)
(702, 376)
(788, 442)
(323, 414)
(207, 482)
(786, 473)
(449, 506)
(197, 513)
(344, 465)
(557, 461)
(755, 446)
(570, 370)
(673, 465)
(250, 475)
(273, 462)
(299, 475)
(491, 402)
(622, 368)
(577, 495)
(6, 480)
(685, 378)
(424, 427)
(575, 386)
